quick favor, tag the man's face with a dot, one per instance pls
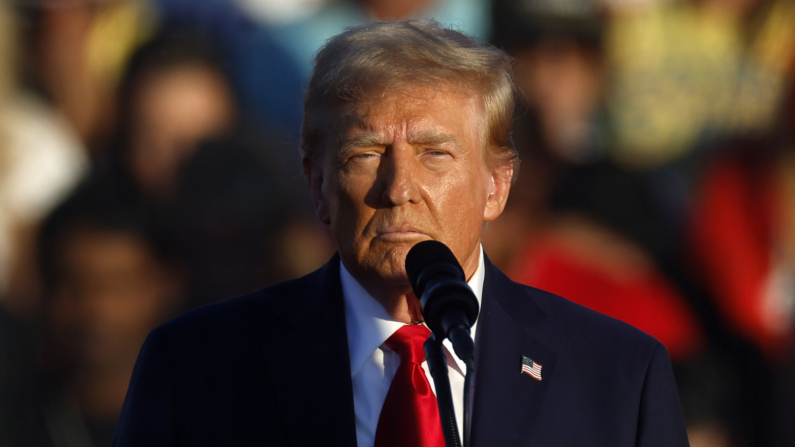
(410, 168)
(173, 111)
(112, 292)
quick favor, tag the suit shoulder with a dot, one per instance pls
(255, 308)
(588, 324)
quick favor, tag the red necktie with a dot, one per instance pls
(410, 416)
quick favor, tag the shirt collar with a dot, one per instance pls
(369, 325)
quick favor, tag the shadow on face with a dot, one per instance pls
(412, 167)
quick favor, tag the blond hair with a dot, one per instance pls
(379, 56)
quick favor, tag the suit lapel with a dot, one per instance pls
(507, 403)
(309, 363)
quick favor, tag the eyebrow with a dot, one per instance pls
(431, 137)
(434, 137)
(350, 143)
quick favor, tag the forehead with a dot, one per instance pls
(419, 111)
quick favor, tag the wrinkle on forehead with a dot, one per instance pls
(362, 132)
(359, 140)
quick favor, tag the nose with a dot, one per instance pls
(399, 177)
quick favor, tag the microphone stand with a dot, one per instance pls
(437, 364)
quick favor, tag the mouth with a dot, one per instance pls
(401, 233)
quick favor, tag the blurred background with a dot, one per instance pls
(149, 165)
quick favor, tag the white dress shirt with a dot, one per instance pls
(373, 364)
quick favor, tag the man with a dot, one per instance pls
(405, 138)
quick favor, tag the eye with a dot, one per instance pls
(364, 156)
(436, 152)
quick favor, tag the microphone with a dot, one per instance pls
(449, 306)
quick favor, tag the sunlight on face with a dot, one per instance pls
(411, 168)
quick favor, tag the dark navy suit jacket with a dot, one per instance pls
(271, 368)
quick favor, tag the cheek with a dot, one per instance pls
(459, 202)
(348, 211)
(344, 196)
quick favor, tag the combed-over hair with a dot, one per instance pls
(368, 60)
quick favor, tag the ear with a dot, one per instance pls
(313, 173)
(500, 187)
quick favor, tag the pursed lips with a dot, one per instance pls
(400, 232)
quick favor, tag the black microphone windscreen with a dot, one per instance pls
(427, 253)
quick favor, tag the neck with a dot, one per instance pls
(399, 300)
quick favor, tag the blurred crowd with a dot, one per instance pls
(149, 165)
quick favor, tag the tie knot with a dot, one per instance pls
(408, 343)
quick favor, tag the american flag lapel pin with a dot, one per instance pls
(531, 368)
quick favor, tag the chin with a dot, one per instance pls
(396, 278)
(391, 265)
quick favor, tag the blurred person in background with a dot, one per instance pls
(240, 225)
(266, 80)
(589, 229)
(174, 95)
(560, 74)
(111, 275)
(76, 52)
(743, 240)
(686, 77)
(743, 230)
(41, 158)
(182, 147)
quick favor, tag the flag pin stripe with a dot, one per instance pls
(531, 368)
